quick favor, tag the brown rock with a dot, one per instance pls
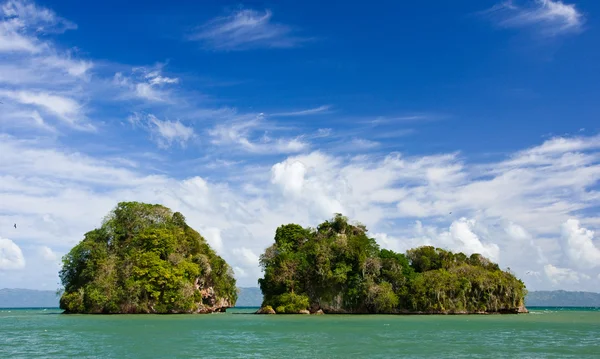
(266, 310)
(319, 312)
(304, 311)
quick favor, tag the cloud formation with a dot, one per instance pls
(38, 82)
(145, 83)
(58, 196)
(579, 245)
(307, 112)
(21, 20)
(164, 132)
(246, 29)
(548, 17)
(11, 256)
(249, 133)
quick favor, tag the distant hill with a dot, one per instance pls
(249, 297)
(28, 298)
(252, 297)
(561, 298)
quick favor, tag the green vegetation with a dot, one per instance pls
(337, 268)
(145, 259)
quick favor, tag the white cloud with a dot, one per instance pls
(213, 236)
(363, 144)
(560, 275)
(579, 246)
(164, 132)
(39, 84)
(170, 131)
(11, 256)
(77, 68)
(248, 257)
(146, 83)
(460, 237)
(64, 108)
(48, 254)
(549, 17)
(308, 112)
(241, 133)
(40, 19)
(290, 176)
(511, 214)
(20, 19)
(27, 119)
(246, 29)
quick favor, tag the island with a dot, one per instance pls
(337, 268)
(145, 259)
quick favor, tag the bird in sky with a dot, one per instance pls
(15, 225)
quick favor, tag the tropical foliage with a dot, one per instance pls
(339, 269)
(145, 259)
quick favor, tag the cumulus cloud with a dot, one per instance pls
(579, 246)
(459, 237)
(48, 254)
(549, 17)
(213, 236)
(246, 29)
(11, 256)
(509, 210)
(560, 275)
(290, 176)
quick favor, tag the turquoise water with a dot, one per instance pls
(544, 333)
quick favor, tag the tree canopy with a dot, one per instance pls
(145, 259)
(337, 268)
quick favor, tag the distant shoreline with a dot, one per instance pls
(253, 309)
(251, 297)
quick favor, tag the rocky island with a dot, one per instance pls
(145, 259)
(337, 268)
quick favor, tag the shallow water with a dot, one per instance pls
(544, 333)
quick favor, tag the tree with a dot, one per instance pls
(339, 269)
(145, 259)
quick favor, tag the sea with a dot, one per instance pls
(543, 333)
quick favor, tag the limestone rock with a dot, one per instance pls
(266, 310)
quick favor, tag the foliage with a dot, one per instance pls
(143, 259)
(338, 268)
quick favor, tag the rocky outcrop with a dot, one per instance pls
(304, 311)
(266, 310)
(211, 303)
(319, 312)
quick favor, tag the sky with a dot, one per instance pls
(468, 125)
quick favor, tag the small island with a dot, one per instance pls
(145, 259)
(337, 268)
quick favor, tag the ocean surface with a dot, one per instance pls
(544, 333)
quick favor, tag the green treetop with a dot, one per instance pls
(145, 259)
(337, 268)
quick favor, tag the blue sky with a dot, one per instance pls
(248, 115)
